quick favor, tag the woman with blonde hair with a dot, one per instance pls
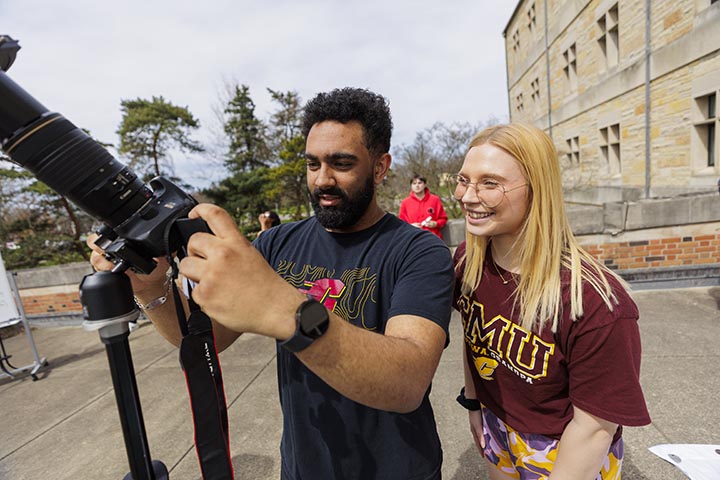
(552, 348)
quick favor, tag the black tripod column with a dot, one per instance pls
(108, 306)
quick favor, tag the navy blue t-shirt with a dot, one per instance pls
(366, 277)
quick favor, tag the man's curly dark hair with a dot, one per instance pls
(353, 104)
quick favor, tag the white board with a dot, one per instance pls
(8, 310)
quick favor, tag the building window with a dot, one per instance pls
(609, 39)
(711, 130)
(706, 129)
(531, 18)
(610, 148)
(519, 106)
(516, 41)
(535, 86)
(570, 66)
(573, 150)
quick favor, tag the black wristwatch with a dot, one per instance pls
(471, 404)
(312, 321)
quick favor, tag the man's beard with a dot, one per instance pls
(350, 209)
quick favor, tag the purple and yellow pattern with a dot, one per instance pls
(531, 456)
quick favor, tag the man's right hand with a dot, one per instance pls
(144, 286)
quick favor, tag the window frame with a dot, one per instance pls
(610, 151)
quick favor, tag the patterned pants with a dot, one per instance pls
(531, 456)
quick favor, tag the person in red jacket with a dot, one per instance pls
(422, 209)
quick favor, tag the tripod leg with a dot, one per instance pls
(108, 306)
(128, 403)
(5, 357)
(159, 469)
(4, 360)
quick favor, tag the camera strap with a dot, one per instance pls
(200, 363)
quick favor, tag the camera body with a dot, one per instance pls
(158, 228)
(141, 221)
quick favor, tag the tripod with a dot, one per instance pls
(108, 306)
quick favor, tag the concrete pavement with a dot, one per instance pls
(66, 426)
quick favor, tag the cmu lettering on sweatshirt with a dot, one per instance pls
(498, 341)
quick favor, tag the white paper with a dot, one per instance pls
(698, 462)
(8, 310)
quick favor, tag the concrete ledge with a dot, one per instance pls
(674, 277)
(672, 211)
(586, 219)
(454, 232)
(622, 216)
(67, 319)
(72, 273)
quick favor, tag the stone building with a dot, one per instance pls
(627, 89)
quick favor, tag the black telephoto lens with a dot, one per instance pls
(66, 158)
(143, 220)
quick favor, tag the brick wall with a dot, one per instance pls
(660, 252)
(57, 299)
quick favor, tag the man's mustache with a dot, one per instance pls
(334, 191)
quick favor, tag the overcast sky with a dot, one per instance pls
(433, 60)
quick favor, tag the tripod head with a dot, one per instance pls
(107, 300)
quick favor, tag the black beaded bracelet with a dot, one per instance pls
(471, 404)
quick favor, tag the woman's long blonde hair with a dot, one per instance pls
(546, 242)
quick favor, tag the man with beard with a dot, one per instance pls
(358, 300)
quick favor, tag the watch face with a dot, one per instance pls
(313, 319)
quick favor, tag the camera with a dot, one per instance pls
(140, 221)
